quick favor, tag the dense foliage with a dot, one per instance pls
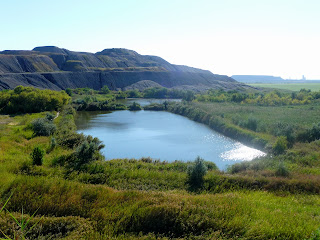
(31, 100)
(167, 93)
(272, 98)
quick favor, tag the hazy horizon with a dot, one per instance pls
(277, 38)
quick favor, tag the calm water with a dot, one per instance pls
(161, 135)
(145, 101)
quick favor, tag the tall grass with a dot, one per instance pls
(248, 215)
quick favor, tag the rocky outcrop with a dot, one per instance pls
(56, 68)
(141, 85)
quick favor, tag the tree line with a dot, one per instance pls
(273, 98)
(31, 100)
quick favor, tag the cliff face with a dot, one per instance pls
(56, 68)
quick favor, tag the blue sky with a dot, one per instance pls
(280, 38)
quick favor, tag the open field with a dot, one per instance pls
(268, 117)
(289, 86)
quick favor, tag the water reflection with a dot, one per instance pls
(144, 102)
(161, 135)
(242, 152)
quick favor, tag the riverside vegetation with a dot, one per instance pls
(58, 179)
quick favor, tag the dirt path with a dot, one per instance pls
(57, 115)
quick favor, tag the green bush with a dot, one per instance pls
(53, 144)
(87, 152)
(134, 94)
(284, 129)
(50, 116)
(196, 173)
(315, 132)
(155, 107)
(252, 123)
(37, 156)
(105, 89)
(43, 127)
(69, 92)
(135, 107)
(282, 170)
(280, 146)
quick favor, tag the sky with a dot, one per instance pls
(229, 37)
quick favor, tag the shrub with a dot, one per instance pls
(43, 127)
(315, 132)
(282, 170)
(196, 173)
(133, 94)
(69, 92)
(252, 123)
(135, 107)
(105, 89)
(287, 130)
(53, 144)
(189, 96)
(280, 146)
(37, 156)
(71, 140)
(86, 152)
(156, 107)
(50, 116)
(238, 167)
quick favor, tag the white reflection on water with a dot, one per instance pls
(242, 153)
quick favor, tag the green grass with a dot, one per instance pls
(267, 116)
(233, 215)
(289, 86)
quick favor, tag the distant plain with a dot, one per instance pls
(289, 86)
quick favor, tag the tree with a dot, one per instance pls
(105, 89)
(69, 92)
(196, 173)
(189, 96)
(37, 156)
